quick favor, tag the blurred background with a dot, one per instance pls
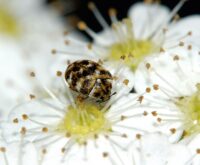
(79, 9)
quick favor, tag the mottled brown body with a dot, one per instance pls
(89, 79)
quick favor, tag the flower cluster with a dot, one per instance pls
(132, 96)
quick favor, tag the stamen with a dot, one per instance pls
(68, 53)
(130, 128)
(83, 26)
(53, 96)
(168, 83)
(113, 144)
(43, 153)
(172, 14)
(52, 107)
(193, 157)
(176, 9)
(46, 145)
(43, 139)
(98, 15)
(113, 15)
(127, 117)
(66, 148)
(69, 94)
(3, 151)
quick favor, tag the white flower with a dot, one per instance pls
(80, 132)
(149, 30)
(156, 149)
(174, 78)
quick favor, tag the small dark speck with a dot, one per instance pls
(132, 90)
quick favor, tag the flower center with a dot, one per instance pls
(134, 50)
(85, 121)
(8, 24)
(190, 106)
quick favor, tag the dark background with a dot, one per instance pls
(78, 9)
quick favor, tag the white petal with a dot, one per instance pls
(185, 25)
(156, 149)
(177, 77)
(147, 18)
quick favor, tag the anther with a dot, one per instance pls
(67, 42)
(198, 86)
(96, 136)
(184, 133)
(45, 129)
(189, 33)
(15, 120)
(89, 46)
(32, 96)
(106, 136)
(159, 119)
(138, 136)
(23, 131)
(115, 78)
(176, 17)
(126, 81)
(155, 86)
(91, 5)
(140, 99)
(145, 113)
(112, 12)
(59, 73)
(44, 151)
(148, 90)
(25, 117)
(32, 74)
(65, 32)
(148, 66)
(123, 57)
(67, 135)
(123, 118)
(154, 113)
(176, 58)
(189, 47)
(85, 143)
(63, 150)
(130, 55)
(124, 135)
(53, 51)
(105, 154)
(181, 43)
(198, 150)
(162, 50)
(165, 30)
(173, 130)
(82, 25)
(3, 149)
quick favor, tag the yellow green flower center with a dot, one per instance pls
(84, 122)
(8, 24)
(190, 107)
(132, 49)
